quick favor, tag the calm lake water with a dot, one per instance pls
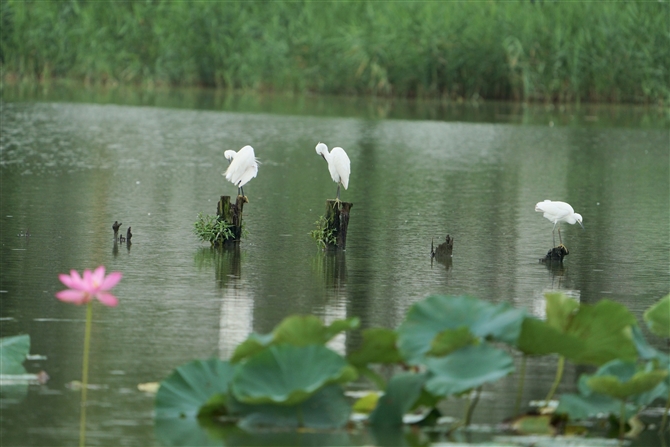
(74, 161)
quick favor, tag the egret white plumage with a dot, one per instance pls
(339, 165)
(243, 167)
(558, 212)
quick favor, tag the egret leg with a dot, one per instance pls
(553, 233)
(240, 191)
(559, 234)
(337, 198)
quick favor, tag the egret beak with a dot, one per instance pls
(581, 225)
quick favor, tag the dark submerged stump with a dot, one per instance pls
(115, 226)
(444, 250)
(232, 213)
(337, 218)
(556, 254)
(128, 236)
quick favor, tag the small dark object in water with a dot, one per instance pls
(556, 254)
(128, 235)
(115, 226)
(122, 239)
(444, 250)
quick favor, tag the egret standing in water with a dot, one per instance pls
(338, 165)
(558, 212)
(243, 167)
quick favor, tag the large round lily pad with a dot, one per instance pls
(184, 392)
(435, 314)
(13, 352)
(658, 317)
(584, 334)
(287, 374)
(297, 330)
(466, 369)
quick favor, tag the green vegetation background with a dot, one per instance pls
(521, 50)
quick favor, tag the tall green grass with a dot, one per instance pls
(546, 50)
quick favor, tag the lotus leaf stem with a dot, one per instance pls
(470, 409)
(519, 392)
(622, 420)
(664, 420)
(557, 381)
(300, 416)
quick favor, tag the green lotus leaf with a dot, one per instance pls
(379, 346)
(622, 380)
(254, 344)
(252, 437)
(184, 433)
(658, 317)
(533, 424)
(592, 334)
(435, 314)
(303, 330)
(451, 340)
(191, 386)
(644, 350)
(297, 330)
(467, 368)
(560, 310)
(402, 391)
(367, 403)
(325, 409)
(287, 374)
(578, 406)
(13, 352)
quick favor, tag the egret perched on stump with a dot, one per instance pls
(338, 165)
(558, 212)
(243, 167)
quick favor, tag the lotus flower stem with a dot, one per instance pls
(84, 374)
(557, 381)
(519, 392)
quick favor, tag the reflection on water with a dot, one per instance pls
(69, 170)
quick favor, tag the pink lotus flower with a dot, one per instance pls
(93, 284)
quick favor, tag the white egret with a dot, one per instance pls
(338, 165)
(558, 212)
(243, 167)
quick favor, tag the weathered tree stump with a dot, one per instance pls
(337, 222)
(115, 226)
(556, 254)
(232, 214)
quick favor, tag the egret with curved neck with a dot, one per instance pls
(558, 212)
(339, 165)
(243, 167)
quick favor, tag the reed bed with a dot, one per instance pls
(558, 51)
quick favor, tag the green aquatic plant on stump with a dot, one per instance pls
(226, 226)
(324, 234)
(331, 229)
(213, 230)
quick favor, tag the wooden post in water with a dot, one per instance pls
(232, 213)
(337, 218)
